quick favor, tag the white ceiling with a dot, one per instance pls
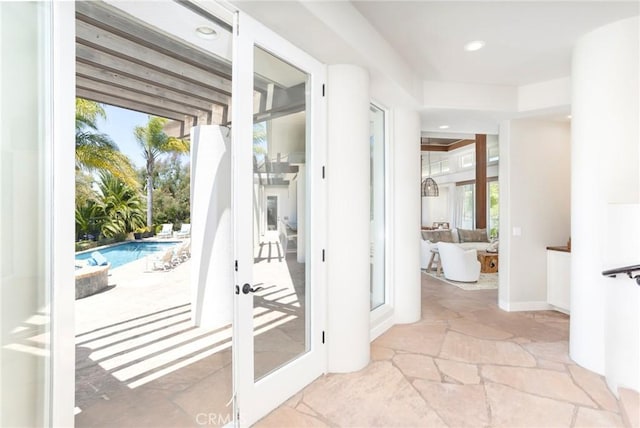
(526, 42)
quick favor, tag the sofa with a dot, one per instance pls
(466, 238)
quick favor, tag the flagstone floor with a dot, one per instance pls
(465, 364)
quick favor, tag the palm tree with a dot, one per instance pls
(154, 143)
(88, 218)
(96, 151)
(120, 206)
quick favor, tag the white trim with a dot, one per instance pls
(62, 164)
(381, 321)
(388, 299)
(504, 228)
(525, 306)
(388, 219)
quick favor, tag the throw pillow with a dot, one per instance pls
(475, 235)
(437, 235)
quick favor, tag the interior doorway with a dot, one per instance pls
(272, 212)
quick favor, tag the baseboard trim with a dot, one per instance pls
(524, 306)
(380, 325)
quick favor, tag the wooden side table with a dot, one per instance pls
(435, 258)
(488, 262)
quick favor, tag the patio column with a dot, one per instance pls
(604, 176)
(348, 219)
(211, 244)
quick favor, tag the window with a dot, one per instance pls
(377, 195)
(493, 153)
(465, 206)
(438, 167)
(467, 160)
(493, 206)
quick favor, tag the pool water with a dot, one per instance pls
(128, 252)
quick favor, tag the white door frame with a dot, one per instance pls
(61, 161)
(256, 399)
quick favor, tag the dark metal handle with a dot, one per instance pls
(627, 269)
(246, 289)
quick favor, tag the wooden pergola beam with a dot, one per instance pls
(158, 77)
(129, 105)
(109, 18)
(135, 96)
(121, 81)
(106, 42)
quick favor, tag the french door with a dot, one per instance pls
(278, 116)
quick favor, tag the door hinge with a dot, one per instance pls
(323, 254)
(323, 89)
(236, 265)
(323, 172)
(323, 336)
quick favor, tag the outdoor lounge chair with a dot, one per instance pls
(167, 231)
(99, 259)
(183, 252)
(185, 231)
(163, 261)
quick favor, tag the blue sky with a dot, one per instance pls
(119, 126)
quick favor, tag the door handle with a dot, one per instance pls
(246, 289)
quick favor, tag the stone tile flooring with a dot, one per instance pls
(465, 364)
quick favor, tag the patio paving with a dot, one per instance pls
(141, 362)
(139, 359)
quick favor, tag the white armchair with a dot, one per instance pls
(425, 253)
(459, 264)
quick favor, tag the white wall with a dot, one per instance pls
(286, 135)
(534, 207)
(211, 222)
(406, 218)
(437, 209)
(605, 170)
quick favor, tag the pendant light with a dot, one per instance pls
(429, 186)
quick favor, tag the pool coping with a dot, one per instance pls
(147, 240)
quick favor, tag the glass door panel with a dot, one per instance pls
(279, 263)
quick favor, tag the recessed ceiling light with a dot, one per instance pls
(569, 117)
(206, 32)
(444, 126)
(474, 45)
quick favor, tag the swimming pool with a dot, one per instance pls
(128, 252)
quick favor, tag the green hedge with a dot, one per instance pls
(87, 245)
